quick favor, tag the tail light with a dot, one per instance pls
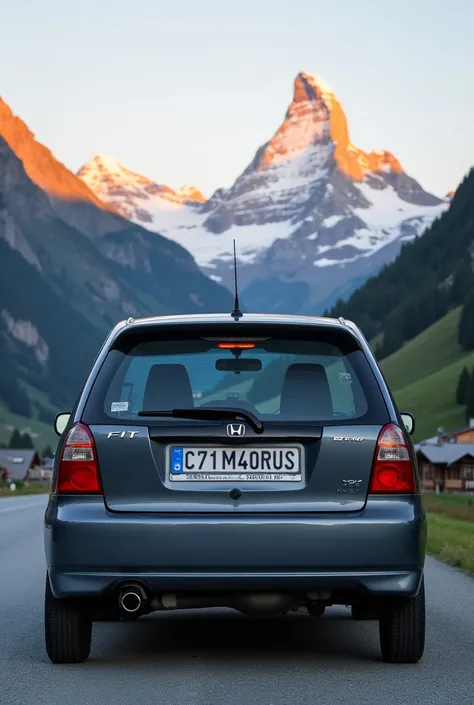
(393, 470)
(78, 470)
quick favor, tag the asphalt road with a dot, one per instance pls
(218, 657)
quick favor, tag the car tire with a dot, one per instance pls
(402, 629)
(362, 612)
(68, 629)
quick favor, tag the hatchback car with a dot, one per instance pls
(252, 462)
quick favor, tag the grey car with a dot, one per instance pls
(251, 462)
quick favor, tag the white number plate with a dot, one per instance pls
(250, 464)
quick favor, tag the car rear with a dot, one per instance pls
(258, 464)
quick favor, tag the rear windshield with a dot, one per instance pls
(315, 374)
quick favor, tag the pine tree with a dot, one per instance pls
(411, 322)
(463, 384)
(470, 399)
(27, 441)
(463, 282)
(466, 323)
(21, 440)
(15, 439)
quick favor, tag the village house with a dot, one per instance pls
(446, 461)
(21, 465)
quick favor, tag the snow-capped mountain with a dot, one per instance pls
(312, 215)
(133, 196)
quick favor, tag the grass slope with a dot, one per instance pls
(423, 376)
(451, 529)
(451, 540)
(434, 348)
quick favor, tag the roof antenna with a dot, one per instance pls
(236, 313)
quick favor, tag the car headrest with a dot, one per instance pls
(168, 387)
(306, 392)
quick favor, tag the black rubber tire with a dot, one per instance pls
(402, 629)
(67, 629)
(362, 612)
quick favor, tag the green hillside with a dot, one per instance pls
(423, 375)
(431, 350)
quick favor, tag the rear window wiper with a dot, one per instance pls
(210, 412)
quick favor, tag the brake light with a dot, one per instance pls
(393, 470)
(78, 471)
(236, 346)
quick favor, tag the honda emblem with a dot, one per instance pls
(236, 429)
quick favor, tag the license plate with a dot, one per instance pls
(198, 464)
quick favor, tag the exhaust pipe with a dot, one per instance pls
(131, 599)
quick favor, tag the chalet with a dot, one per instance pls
(465, 435)
(19, 465)
(446, 461)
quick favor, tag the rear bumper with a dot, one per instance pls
(380, 550)
(382, 584)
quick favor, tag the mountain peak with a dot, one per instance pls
(105, 161)
(104, 166)
(134, 196)
(315, 131)
(309, 86)
(191, 193)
